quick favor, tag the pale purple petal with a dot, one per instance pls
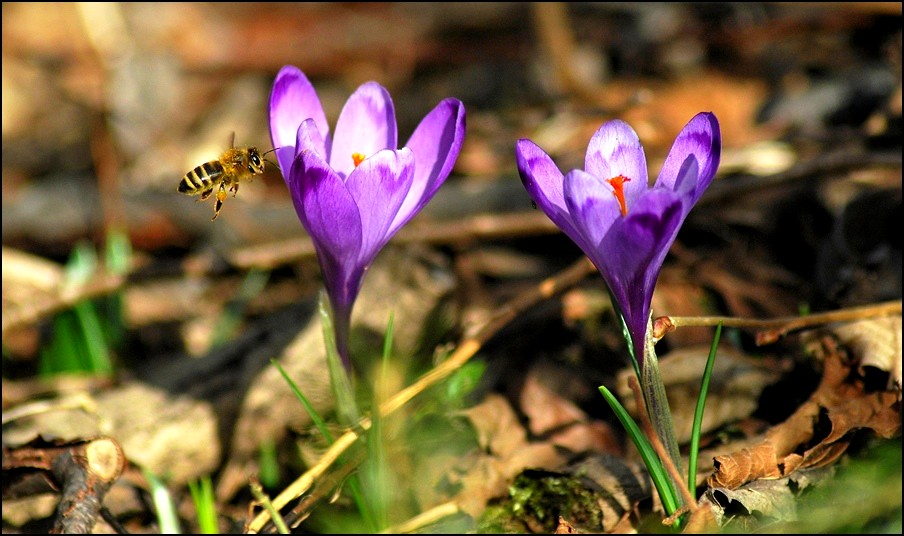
(328, 212)
(592, 207)
(436, 143)
(366, 125)
(544, 184)
(686, 184)
(292, 100)
(379, 186)
(615, 150)
(308, 139)
(700, 138)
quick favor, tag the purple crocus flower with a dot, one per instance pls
(354, 189)
(621, 223)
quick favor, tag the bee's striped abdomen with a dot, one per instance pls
(201, 178)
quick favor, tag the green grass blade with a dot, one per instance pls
(315, 417)
(658, 474)
(698, 413)
(167, 517)
(205, 505)
(268, 464)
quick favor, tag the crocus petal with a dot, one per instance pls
(636, 247)
(379, 186)
(593, 208)
(328, 212)
(307, 139)
(615, 150)
(292, 100)
(686, 183)
(544, 183)
(435, 143)
(366, 125)
(700, 138)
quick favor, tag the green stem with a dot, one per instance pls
(657, 402)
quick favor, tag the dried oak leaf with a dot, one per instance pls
(819, 431)
(877, 343)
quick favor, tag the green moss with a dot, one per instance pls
(537, 499)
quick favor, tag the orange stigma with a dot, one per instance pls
(618, 190)
(357, 158)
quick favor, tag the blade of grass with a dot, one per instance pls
(698, 413)
(320, 423)
(167, 517)
(658, 474)
(205, 505)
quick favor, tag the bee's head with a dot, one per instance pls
(255, 161)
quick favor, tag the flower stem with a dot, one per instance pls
(657, 402)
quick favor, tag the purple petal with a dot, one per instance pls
(616, 150)
(379, 186)
(366, 125)
(544, 182)
(292, 100)
(686, 183)
(307, 139)
(593, 208)
(636, 247)
(701, 139)
(328, 212)
(436, 143)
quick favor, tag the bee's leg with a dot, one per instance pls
(221, 196)
(205, 194)
(234, 189)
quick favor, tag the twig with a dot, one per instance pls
(425, 518)
(465, 351)
(773, 329)
(258, 491)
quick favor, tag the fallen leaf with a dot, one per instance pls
(838, 407)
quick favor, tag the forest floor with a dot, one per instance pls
(150, 352)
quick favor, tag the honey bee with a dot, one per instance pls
(235, 165)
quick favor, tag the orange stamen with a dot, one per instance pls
(357, 158)
(618, 190)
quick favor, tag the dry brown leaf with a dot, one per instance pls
(745, 465)
(876, 343)
(838, 405)
(497, 426)
(545, 409)
(500, 432)
(775, 500)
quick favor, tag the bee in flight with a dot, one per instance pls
(236, 164)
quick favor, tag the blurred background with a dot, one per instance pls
(107, 105)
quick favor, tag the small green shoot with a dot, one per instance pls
(268, 465)
(698, 413)
(79, 342)
(205, 505)
(658, 474)
(167, 517)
